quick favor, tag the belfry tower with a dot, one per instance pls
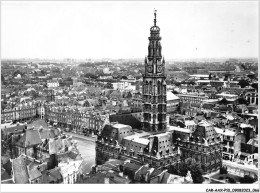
(154, 85)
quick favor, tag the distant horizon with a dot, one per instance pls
(117, 30)
(134, 58)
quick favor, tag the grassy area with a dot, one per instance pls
(219, 176)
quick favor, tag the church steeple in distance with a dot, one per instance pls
(154, 85)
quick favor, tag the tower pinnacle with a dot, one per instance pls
(155, 17)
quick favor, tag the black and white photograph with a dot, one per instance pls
(116, 96)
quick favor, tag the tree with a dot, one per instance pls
(175, 92)
(223, 170)
(226, 77)
(255, 86)
(242, 101)
(247, 180)
(243, 83)
(231, 180)
(3, 105)
(210, 76)
(2, 79)
(251, 76)
(53, 162)
(188, 165)
(179, 169)
(197, 177)
(34, 94)
(196, 171)
(43, 72)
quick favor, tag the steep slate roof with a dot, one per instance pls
(205, 130)
(45, 178)
(47, 133)
(165, 178)
(4, 175)
(170, 96)
(116, 93)
(113, 164)
(127, 119)
(132, 166)
(8, 130)
(113, 132)
(55, 173)
(97, 178)
(143, 170)
(30, 138)
(156, 173)
(7, 166)
(20, 172)
(208, 106)
(34, 173)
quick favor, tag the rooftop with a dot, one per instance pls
(173, 128)
(228, 95)
(137, 139)
(20, 172)
(119, 126)
(170, 96)
(225, 131)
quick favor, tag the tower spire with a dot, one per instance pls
(155, 17)
(154, 85)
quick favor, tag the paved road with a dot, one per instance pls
(87, 150)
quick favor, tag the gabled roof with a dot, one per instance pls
(4, 175)
(126, 119)
(12, 129)
(30, 138)
(170, 96)
(205, 131)
(20, 172)
(132, 166)
(156, 173)
(116, 94)
(74, 156)
(34, 173)
(6, 164)
(55, 173)
(165, 178)
(97, 178)
(45, 178)
(47, 133)
(143, 170)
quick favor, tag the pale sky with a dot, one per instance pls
(121, 29)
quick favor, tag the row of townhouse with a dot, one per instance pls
(21, 112)
(75, 120)
(192, 97)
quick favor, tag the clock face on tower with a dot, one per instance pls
(159, 69)
(150, 69)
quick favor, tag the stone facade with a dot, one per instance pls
(154, 85)
(204, 144)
